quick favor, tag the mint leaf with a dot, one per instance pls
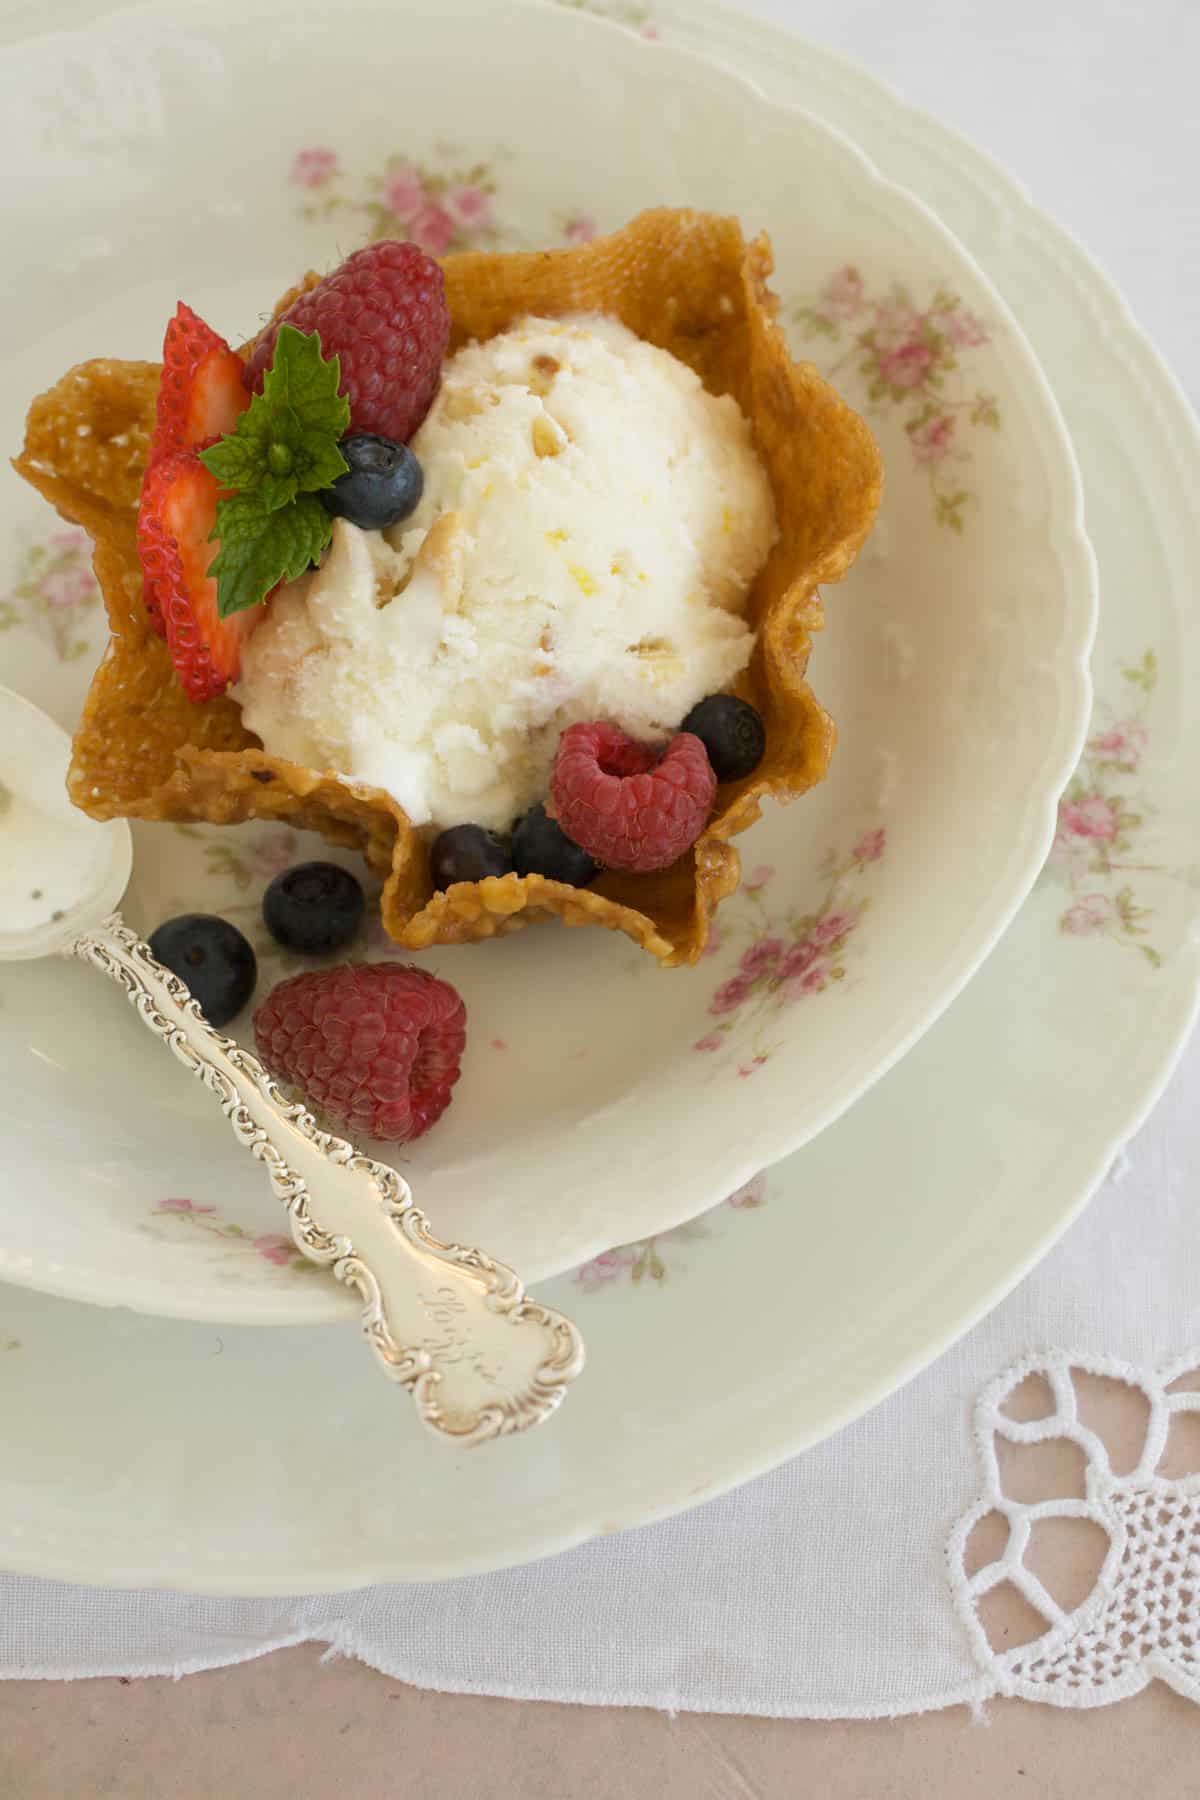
(318, 461)
(274, 491)
(300, 411)
(237, 462)
(300, 376)
(259, 548)
(281, 453)
(286, 441)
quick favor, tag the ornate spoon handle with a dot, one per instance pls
(454, 1327)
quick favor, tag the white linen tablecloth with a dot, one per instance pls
(822, 1588)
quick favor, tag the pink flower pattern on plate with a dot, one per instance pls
(469, 205)
(871, 845)
(271, 1246)
(933, 439)
(758, 878)
(1091, 816)
(1091, 912)
(907, 365)
(403, 192)
(54, 593)
(843, 295)
(276, 1249)
(908, 358)
(962, 328)
(730, 995)
(788, 959)
(433, 230)
(1124, 743)
(438, 205)
(314, 166)
(248, 860)
(799, 960)
(763, 955)
(645, 1261)
(1095, 848)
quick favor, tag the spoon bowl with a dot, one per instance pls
(70, 871)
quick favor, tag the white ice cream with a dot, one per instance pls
(591, 522)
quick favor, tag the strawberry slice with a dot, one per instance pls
(200, 398)
(201, 394)
(178, 511)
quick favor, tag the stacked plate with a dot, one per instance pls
(960, 1044)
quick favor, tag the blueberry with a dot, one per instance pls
(541, 847)
(314, 908)
(732, 732)
(467, 853)
(213, 957)
(382, 485)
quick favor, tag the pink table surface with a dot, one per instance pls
(288, 1727)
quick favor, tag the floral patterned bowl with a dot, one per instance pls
(603, 1100)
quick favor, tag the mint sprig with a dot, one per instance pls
(259, 548)
(282, 452)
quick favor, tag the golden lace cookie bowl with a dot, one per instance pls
(683, 280)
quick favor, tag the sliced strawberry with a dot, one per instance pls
(178, 511)
(200, 398)
(201, 393)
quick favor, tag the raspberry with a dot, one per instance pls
(622, 804)
(377, 1047)
(384, 313)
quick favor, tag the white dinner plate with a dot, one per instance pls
(602, 1098)
(241, 1461)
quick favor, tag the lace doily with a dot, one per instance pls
(1133, 1528)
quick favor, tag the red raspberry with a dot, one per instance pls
(618, 801)
(376, 1047)
(384, 313)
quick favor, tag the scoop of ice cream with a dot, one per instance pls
(591, 522)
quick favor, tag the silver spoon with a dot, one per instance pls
(449, 1323)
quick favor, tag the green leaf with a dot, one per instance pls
(238, 460)
(984, 411)
(1146, 675)
(274, 491)
(282, 452)
(301, 378)
(815, 323)
(286, 441)
(318, 462)
(259, 549)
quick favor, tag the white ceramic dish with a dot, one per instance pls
(142, 1452)
(954, 660)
